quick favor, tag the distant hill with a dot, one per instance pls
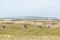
(29, 18)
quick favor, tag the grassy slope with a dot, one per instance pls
(18, 32)
(18, 29)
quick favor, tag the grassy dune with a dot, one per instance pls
(18, 29)
(14, 37)
(18, 32)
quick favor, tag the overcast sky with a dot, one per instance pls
(44, 8)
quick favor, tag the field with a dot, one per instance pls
(14, 37)
(19, 32)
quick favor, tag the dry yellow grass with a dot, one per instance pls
(14, 37)
(16, 31)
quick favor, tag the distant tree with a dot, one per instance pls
(48, 26)
(25, 26)
(3, 26)
(40, 27)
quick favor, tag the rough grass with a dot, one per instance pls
(18, 32)
(18, 29)
(14, 37)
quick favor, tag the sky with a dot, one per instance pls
(41, 8)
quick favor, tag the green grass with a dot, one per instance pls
(18, 32)
(18, 29)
